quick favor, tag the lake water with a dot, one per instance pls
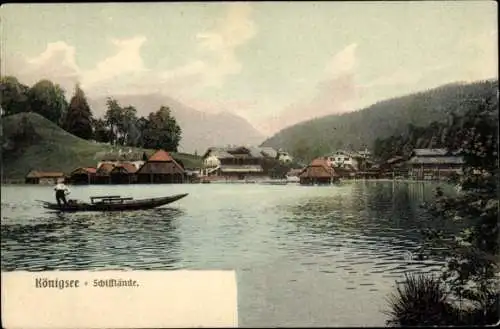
(304, 256)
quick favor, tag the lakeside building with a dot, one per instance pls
(83, 175)
(123, 173)
(396, 166)
(319, 171)
(161, 168)
(344, 159)
(119, 157)
(158, 168)
(103, 171)
(117, 167)
(434, 164)
(352, 160)
(43, 177)
(239, 162)
(350, 164)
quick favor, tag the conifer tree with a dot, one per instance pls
(78, 120)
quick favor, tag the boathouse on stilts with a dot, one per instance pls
(83, 176)
(318, 172)
(160, 168)
(123, 173)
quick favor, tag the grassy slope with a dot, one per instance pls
(57, 150)
(381, 120)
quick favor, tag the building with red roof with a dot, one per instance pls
(43, 177)
(123, 173)
(319, 171)
(161, 167)
(83, 175)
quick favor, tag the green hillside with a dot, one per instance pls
(361, 128)
(29, 141)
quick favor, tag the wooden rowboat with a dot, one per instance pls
(112, 203)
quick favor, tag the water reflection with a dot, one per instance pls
(375, 227)
(303, 256)
(143, 239)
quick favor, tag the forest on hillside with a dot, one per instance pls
(452, 134)
(393, 117)
(119, 126)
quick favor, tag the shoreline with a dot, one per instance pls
(242, 182)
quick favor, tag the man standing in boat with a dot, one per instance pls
(61, 191)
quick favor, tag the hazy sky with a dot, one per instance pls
(272, 63)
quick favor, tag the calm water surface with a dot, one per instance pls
(304, 256)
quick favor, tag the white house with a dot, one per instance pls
(344, 159)
(284, 157)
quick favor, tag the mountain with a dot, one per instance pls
(30, 141)
(360, 129)
(475, 130)
(200, 130)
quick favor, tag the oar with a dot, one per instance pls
(42, 201)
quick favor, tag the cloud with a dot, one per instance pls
(127, 60)
(56, 62)
(219, 45)
(214, 61)
(125, 71)
(335, 93)
(344, 62)
(234, 30)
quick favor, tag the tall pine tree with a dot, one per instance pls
(78, 119)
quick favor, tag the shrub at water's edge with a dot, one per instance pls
(420, 300)
(29, 141)
(470, 277)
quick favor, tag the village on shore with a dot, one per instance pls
(244, 164)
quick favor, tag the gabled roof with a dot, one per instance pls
(253, 151)
(218, 152)
(85, 170)
(319, 162)
(268, 151)
(105, 168)
(239, 150)
(127, 166)
(160, 167)
(318, 168)
(161, 156)
(44, 174)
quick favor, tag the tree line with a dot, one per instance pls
(467, 292)
(120, 125)
(359, 129)
(447, 134)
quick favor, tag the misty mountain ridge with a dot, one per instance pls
(359, 129)
(200, 130)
